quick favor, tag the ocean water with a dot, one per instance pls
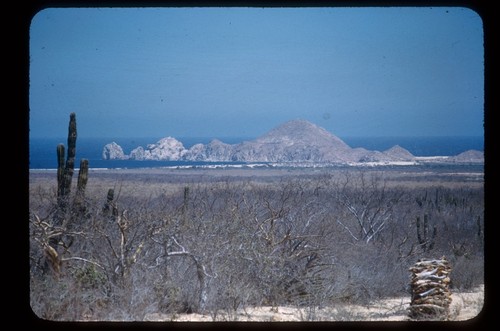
(42, 151)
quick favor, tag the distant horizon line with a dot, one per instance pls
(251, 137)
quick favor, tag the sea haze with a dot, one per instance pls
(42, 151)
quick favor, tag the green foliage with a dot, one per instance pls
(89, 277)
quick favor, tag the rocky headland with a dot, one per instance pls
(296, 141)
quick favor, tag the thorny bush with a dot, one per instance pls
(221, 245)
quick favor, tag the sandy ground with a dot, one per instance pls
(464, 306)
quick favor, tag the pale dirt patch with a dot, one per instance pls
(464, 306)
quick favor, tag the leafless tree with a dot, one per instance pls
(231, 243)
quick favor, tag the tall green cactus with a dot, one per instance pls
(108, 205)
(64, 177)
(81, 184)
(70, 160)
(60, 169)
(83, 176)
(65, 171)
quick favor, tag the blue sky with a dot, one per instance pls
(239, 72)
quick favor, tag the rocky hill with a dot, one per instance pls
(113, 151)
(293, 141)
(470, 156)
(297, 140)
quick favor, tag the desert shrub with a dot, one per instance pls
(223, 244)
(468, 272)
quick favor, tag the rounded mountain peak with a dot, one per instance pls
(302, 132)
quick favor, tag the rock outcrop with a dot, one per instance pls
(215, 151)
(470, 156)
(113, 151)
(166, 149)
(293, 141)
(398, 153)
